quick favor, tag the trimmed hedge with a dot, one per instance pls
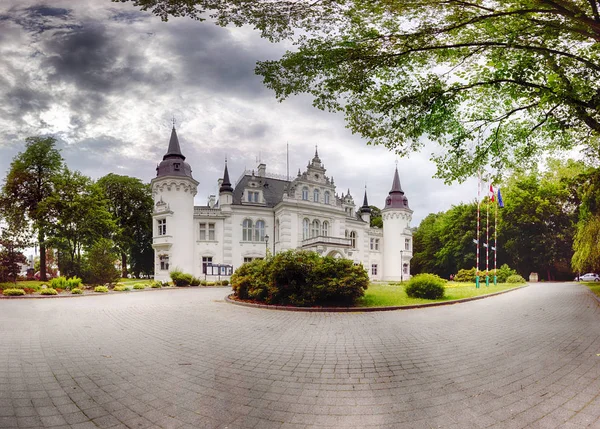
(428, 286)
(13, 292)
(515, 279)
(300, 278)
(101, 289)
(48, 291)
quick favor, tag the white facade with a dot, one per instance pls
(265, 213)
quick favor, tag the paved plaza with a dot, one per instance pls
(187, 359)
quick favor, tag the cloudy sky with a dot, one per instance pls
(106, 80)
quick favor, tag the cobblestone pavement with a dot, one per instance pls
(185, 358)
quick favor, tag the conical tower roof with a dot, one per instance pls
(173, 163)
(396, 198)
(226, 185)
(174, 151)
(365, 207)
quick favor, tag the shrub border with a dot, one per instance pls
(230, 299)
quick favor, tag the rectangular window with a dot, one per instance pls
(377, 244)
(407, 244)
(372, 243)
(164, 262)
(205, 261)
(253, 197)
(207, 231)
(162, 227)
(374, 269)
(246, 260)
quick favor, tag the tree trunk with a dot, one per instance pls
(124, 265)
(43, 276)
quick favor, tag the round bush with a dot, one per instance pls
(13, 292)
(101, 289)
(515, 279)
(120, 288)
(195, 281)
(139, 286)
(428, 286)
(225, 282)
(300, 278)
(465, 275)
(180, 278)
(48, 291)
(76, 291)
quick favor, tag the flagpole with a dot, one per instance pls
(496, 244)
(478, 221)
(487, 244)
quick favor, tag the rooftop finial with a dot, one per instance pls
(173, 121)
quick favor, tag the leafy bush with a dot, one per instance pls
(139, 286)
(300, 278)
(503, 273)
(203, 283)
(76, 291)
(121, 288)
(225, 282)
(101, 258)
(48, 291)
(13, 292)
(180, 278)
(156, 284)
(465, 275)
(101, 289)
(428, 286)
(515, 279)
(73, 282)
(59, 283)
(211, 283)
(195, 281)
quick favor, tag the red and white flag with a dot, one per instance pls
(492, 194)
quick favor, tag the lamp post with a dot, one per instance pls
(401, 266)
(266, 246)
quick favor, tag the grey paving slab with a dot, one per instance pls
(186, 359)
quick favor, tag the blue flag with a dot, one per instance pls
(500, 202)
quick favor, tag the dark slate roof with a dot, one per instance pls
(365, 207)
(173, 163)
(226, 185)
(396, 198)
(272, 190)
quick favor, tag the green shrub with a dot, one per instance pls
(180, 278)
(203, 282)
(225, 282)
(195, 281)
(515, 279)
(300, 278)
(48, 291)
(73, 282)
(465, 275)
(156, 284)
(121, 288)
(101, 289)
(211, 283)
(76, 291)
(13, 292)
(503, 273)
(139, 286)
(428, 286)
(58, 283)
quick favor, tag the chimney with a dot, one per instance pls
(262, 170)
(211, 201)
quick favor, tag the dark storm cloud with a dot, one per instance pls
(38, 19)
(22, 100)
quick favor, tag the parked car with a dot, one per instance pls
(589, 277)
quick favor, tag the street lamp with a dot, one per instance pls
(401, 265)
(266, 245)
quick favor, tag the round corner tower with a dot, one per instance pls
(173, 191)
(397, 235)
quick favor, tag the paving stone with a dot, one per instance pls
(186, 359)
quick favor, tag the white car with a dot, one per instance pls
(589, 277)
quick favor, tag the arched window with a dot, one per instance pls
(305, 193)
(325, 229)
(326, 197)
(353, 239)
(259, 230)
(316, 195)
(247, 230)
(305, 229)
(314, 232)
(277, 230)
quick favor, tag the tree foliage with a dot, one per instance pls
(29, 185)
(493, 83)
(101, 259)
(130, 203)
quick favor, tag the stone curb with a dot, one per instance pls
(365, 309)
(148, 289)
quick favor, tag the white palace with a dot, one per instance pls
(264, 212)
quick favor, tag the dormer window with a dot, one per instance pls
(177, 166)
(253, 196)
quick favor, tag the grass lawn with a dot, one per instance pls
(32, 284)
(594, 287)
(383, 295)
(130, 282)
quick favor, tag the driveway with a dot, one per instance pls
(185, 358)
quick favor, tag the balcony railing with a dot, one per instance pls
(327, 241)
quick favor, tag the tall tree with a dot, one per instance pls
(29, 185)
(81, 217)
(130, 203)
(492, 82)
(12, 243)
